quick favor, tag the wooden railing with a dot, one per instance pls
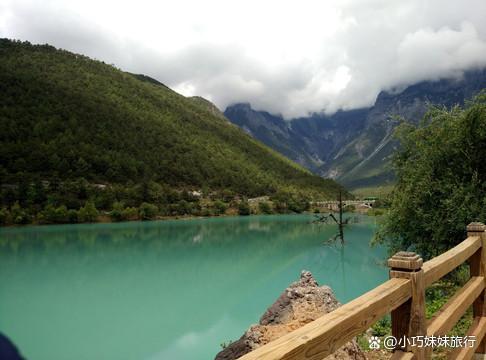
(404, 296)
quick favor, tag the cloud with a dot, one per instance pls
(280, 56)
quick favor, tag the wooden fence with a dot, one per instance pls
(403, 295)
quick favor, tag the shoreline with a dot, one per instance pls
(105, 219)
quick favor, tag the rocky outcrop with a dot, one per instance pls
(302, 302)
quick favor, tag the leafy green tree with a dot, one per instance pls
(441, 180)
(55, 215)
(88, 213)
(39, 193)
(5, 217)
(130, 213)
(280, 207)
(153, 147)
(183, 207)
(23, 190)
(148, 211)
(220, 207)
(117, 212)
(19, 215)
(265, 207)
(72, 216)
(244, 208)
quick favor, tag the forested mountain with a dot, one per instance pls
(355, 146)
(67, 119)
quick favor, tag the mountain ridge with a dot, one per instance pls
(68, 119)
(354, 147)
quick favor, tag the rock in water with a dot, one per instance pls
(302, 302)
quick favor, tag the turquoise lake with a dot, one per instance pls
(170, 290)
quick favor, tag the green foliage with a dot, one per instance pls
(55, 215)
(220, 207)
(117, 212)
(439, 293)
(88, 212)
(349, 208)
(363, 342)
(280, 207)
(382, 327)
(130, 213)
(286, 201)
(441, 183)
(148, 211)
(72, 216)
(265, 208)
(244, 208)
(5, 216)
(376, 212)
(19, 215)
(65, 117)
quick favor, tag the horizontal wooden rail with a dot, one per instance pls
(325, 335)
(404, 296)
(443, 264)
(457, 305)
(478, 330)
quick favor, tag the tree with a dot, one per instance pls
(88, 213)
(265, 207)
(117, 212)
(5, 217)
(55, 215)
(148, 211)
(220, 207)
(244, 208)
(441, 180)
(19, 215)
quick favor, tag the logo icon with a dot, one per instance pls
(374, 342)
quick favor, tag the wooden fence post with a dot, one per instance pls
(408, 319)
(477, 266)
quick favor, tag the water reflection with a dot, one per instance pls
(132, 290)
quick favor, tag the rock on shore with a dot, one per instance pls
(302, 302)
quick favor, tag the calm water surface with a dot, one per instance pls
(168, 289)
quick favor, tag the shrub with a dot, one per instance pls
(349, 208)
(19, 215)
(220, 207)
(5, 217)
(130, 213)
(72, 216)
(116, 213)
(281, 207)
(244, 208)
(147, 211)
(441, 180)
(265, 208)
(88, 213)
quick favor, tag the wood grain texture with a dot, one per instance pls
(323, 336)
(477, 266)
(404, 296)
(443, 264)
(405, 260)
(477, 329)
(418, 326)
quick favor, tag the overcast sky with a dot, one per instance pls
(287, 57)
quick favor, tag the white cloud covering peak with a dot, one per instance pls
(283, 56)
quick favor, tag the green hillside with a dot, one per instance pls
(67, 119)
